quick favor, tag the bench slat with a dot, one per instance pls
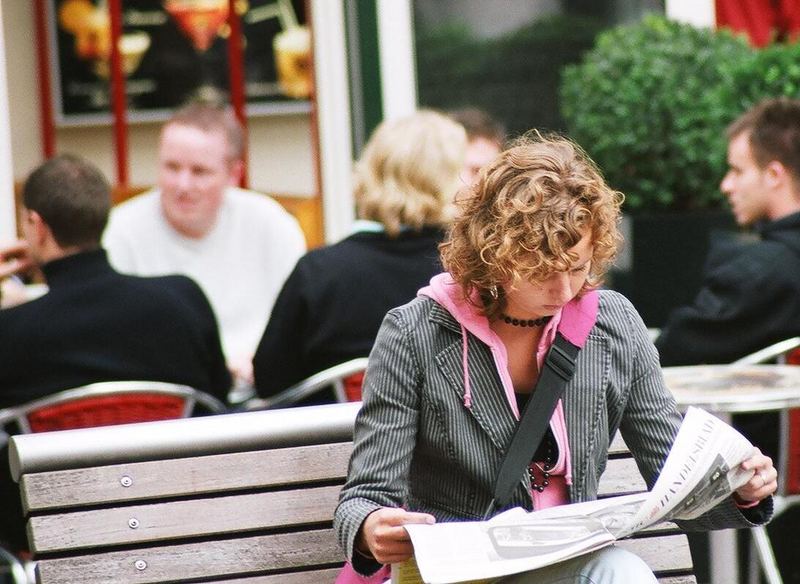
(668, 554)
(170, 478)
(617, 446)
(324, 576)
(186, 562)
(621, 477)
(314, 577)
(182, 519)
(181, 438)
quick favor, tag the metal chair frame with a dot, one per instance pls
(15, 567)
(192, 397)
(19, 415)
(761, 546)
(334, 376)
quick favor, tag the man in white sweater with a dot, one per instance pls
(238, 245)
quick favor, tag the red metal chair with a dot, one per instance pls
(788, 464)
(346, 379)
(108, 403)
(352, 386)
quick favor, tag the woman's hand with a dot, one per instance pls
(763, 483)
(383, 536)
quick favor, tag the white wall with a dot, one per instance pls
(700, 13)
(7, 224)
(280, 146)
(398, 67)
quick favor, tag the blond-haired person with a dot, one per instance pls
(332, 304)
(450, 371)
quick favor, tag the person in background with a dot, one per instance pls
(94, 324)
(14, 259)
(750, 297)
(333, 302)
(451, 370)
(485, 140)
(238, 245)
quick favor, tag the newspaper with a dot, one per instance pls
(703, 467)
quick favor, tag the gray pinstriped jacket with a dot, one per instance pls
(418, 446)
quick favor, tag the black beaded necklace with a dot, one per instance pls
(525, 321)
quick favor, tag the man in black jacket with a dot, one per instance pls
(750, 297)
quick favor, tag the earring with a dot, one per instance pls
(493, 292)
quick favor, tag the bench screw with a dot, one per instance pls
(133, 523)
(140, 565)
(126, 481)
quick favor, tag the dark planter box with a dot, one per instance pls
(661, 263)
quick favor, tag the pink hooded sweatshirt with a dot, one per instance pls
(448, 294)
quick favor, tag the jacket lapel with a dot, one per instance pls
(584, 400)
(489, 408)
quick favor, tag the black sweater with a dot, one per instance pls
(95, 324)
(334, 301)
(750, 299)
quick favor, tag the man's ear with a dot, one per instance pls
(236, 173)
(38, 229)
(776, 174)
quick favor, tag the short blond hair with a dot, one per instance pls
(531, 206)
(212, 117)
(408, 173)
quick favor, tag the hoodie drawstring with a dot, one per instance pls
(465, 366)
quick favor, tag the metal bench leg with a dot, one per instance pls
(17, 571)
(753, 563)
(765, 555)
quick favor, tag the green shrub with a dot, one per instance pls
(645, 104)
(773, 71)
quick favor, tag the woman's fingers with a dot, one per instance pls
(764, 481)
(385, 537)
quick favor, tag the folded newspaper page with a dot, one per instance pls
(701, 470)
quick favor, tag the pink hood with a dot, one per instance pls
(444, 290)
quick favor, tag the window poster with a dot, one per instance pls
(175, 50)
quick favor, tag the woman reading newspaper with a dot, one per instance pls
(451, 370)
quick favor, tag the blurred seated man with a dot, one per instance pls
(95, 324)
(332, 305)
(485, 139)
(238, 245)
(750, 296)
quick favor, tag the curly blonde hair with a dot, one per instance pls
(530, 207)
(408, 173)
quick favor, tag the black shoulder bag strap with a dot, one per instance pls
(559, 366)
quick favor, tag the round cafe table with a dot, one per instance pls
(726, 390)
(730, 389)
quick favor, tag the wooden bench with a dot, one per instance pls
(241, 498)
